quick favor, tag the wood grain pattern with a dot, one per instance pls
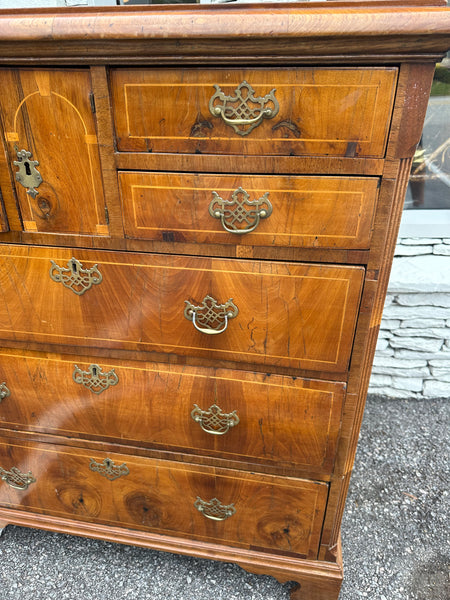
(3, 219)
(373, 33)
(307, 211)
(281, 420)
(335, 112)
(271, 512)
(290, 314)
(48, 113)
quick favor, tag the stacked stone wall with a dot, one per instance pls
(413, 350)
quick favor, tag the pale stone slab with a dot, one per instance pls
(443, 249)
(436, 299)
(413, 362)
(418, 372)
(419, 241)
(441, 333)
(393, 393)
(419, 312)
(389, 300)
(411, 384)
(380, 380)
(387, 352)
(413, 250)
(422, 323)
(426, 274)
(441, 363)
(410, 354)
(436, 389)
(382, 344)
(384, 334)
(440, 374)
(419, 344)
(393, 323)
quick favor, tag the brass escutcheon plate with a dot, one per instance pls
(74, 277)
(108, 469)
(94, 379)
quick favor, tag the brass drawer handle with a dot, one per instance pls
(108, 469)
(16, 479)
(243, 112)
(94, 379)
(210, 317)
(74, 277)
(240, 215)
(214, 509)
(213, 420)
(4, 391)
(27, 175)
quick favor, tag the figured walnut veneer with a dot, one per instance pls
(118, 418)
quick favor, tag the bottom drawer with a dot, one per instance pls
(202, 503)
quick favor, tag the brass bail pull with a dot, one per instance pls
(240, 214)
(244, 111)
(16, 479)
(214, 509)
(210, 317)
(213, 420)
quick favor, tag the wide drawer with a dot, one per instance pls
(224, 413)
(334, 212)
(316, 111)
(221, 505)
(290, 314)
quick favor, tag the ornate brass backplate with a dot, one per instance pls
(214, 509)
(94, 379)
(240, 214)
(74, 277)
(4, 391)
(210, 317)
(27, 175)
(243, 111)
(213, 420)
(108, 469)
(16, 479)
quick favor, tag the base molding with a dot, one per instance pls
(316, 580)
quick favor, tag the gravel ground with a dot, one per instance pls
(395, 533)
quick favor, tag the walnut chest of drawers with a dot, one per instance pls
(198, 213)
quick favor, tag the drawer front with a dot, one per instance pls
(229, 414)
(264, 512)
(315, 111)
(333, 212)
(289, 314)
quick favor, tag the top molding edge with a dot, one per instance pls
(298, 28)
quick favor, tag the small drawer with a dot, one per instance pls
(203, 503)
(310, 212)
(215, 412)
(305, 111)
(288, 314)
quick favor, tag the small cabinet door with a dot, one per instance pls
(50, 132)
